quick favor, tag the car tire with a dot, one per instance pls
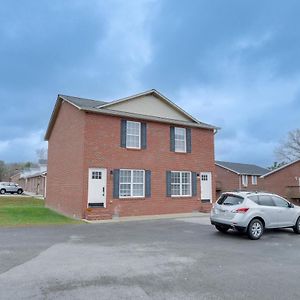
(255, 229)
(20, 191)
(2, 191)
(222, 228)
(296, 228)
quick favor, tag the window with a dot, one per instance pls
(254, 199)
(180, 139)
(280, 202)
(244, 180)
(266, 200)
(227, 199)
(133, 134)
(254, 180)
(204, 177)
(96, 175)
(132, 183)
(180, 183)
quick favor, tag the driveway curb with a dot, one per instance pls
(149, 217)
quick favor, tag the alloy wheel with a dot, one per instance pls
(256, 229)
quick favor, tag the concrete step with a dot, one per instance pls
(205, 207)
(98, 215)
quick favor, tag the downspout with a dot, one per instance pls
(45, 187)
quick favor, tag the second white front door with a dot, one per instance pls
(206, 186)
(97, 187)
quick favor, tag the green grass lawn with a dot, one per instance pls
(24, 211)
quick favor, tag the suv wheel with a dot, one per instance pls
(296, 228)
(2, 191)
(222, 228)
(20, 191)
(255, 229)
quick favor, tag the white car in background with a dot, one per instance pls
(253, 212)
(10, 187)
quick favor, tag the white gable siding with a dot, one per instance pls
(150, 106)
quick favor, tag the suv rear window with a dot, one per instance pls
(228, 199)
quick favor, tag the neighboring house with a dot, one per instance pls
(236, 176)
(15, 178)
(140, 155)
(32, 180)
(284, 181)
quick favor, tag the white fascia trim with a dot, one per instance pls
(229, 169)
(72, 103)
(278, 169)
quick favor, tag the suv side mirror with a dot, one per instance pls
(291, 205)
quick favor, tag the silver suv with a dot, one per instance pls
(252, 212)
(10, 187)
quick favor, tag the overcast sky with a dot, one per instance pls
(234, 64)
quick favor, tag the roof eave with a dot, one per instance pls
(228, 169)
(54, 114)
(149, 118)
(153, 92)
(278, 169)
(238, 173)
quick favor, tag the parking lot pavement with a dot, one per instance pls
(160, 259)
(14, 195)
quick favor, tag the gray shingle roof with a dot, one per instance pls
(83, 103)
(102, 107)
(245, 169)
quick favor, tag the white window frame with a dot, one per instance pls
(245, 180)
(181, 184)
(254, 180)
(129, 134)
(184, 140)
(131, 184)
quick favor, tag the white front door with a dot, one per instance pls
(97, 187)
(206, 186)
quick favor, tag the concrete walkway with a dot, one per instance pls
(34, 195)
(151, 217)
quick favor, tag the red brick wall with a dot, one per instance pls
(226, 180)
(80, 141)
(102, 149)
(230, 181)
(65, 162)
(277, 182)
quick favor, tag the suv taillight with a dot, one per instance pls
(241, 210)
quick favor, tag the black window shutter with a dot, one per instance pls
(123, 133)
(188, 140)
(143, 135)
(148, 183)
(172, 138)
(116, 176)
(194, 184)
(168, 183)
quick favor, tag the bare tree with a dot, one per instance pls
(2, 170)
(42, 153)
(276, 165)
(289, 149)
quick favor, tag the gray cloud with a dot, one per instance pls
(234, 64)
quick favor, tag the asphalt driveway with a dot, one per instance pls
(161, 259)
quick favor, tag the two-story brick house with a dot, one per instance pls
(231, 176)
(139, 155)
(284, 181)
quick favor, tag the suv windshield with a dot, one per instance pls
(228, 199)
